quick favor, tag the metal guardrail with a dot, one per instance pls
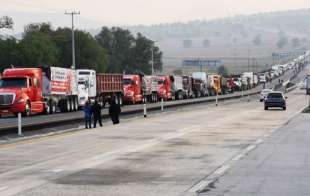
(127, 111)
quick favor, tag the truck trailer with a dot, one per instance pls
(109, 87)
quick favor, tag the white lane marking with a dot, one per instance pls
(238, 157)
(57, 170)
(222, 170)
(3, 188)
(250, 148)
(259, 141)
(200, 186)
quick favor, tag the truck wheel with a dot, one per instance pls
(47, 108)
(68, 105)
(116, 99)
(27, 111)
(72, 105)
(53, 107)
(76, 103)
(120, 100)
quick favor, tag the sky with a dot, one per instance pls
(134, 12)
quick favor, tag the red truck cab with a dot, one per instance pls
(164, 83)
(21, 91)
(132, 88)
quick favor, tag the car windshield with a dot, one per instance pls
(275, 95)
(13, 82)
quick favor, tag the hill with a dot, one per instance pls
(241, 42)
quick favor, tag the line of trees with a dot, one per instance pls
(113, 50)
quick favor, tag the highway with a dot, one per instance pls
(166, 154)
(279, 167)
(37, 122)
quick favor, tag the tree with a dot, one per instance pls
(281, 42)
(118, 43)
(127, 53)
(223, 71)
(6, 22)
(206, 43)
(9, 53)
(295, 42)
(38, 49)
(257, 40)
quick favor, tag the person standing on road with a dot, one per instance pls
(97, 114)
(114, 111)
(88, 114)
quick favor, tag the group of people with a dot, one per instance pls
(93, 112)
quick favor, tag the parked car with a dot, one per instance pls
(275, 99)
(264, 94)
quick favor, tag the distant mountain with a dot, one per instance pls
(232, 39)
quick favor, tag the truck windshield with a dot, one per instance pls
(161, 82)
(127, 81)
(13, 82)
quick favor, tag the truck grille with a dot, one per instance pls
(6, 99)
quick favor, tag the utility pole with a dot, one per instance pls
(153, 56)
(73, 40)
(152, 59)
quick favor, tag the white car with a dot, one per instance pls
(264, 94)
(302, 85)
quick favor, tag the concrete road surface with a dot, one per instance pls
(165, 154)
(279, 167)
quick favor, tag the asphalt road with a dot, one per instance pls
(11, 122)
(166, 154)
(278, 167)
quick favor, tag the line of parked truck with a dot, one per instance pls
(50, 89)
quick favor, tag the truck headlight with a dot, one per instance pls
(21, 100)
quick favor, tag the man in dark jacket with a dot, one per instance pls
(88, 114)
(114, 112)
(97, 114)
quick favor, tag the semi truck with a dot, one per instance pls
(109, 87)
(177, 87)
(165, 90)
(87, 86)
(187, 86)
(140, 88)
(38, 90)
(200, 84)
(214, 84)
